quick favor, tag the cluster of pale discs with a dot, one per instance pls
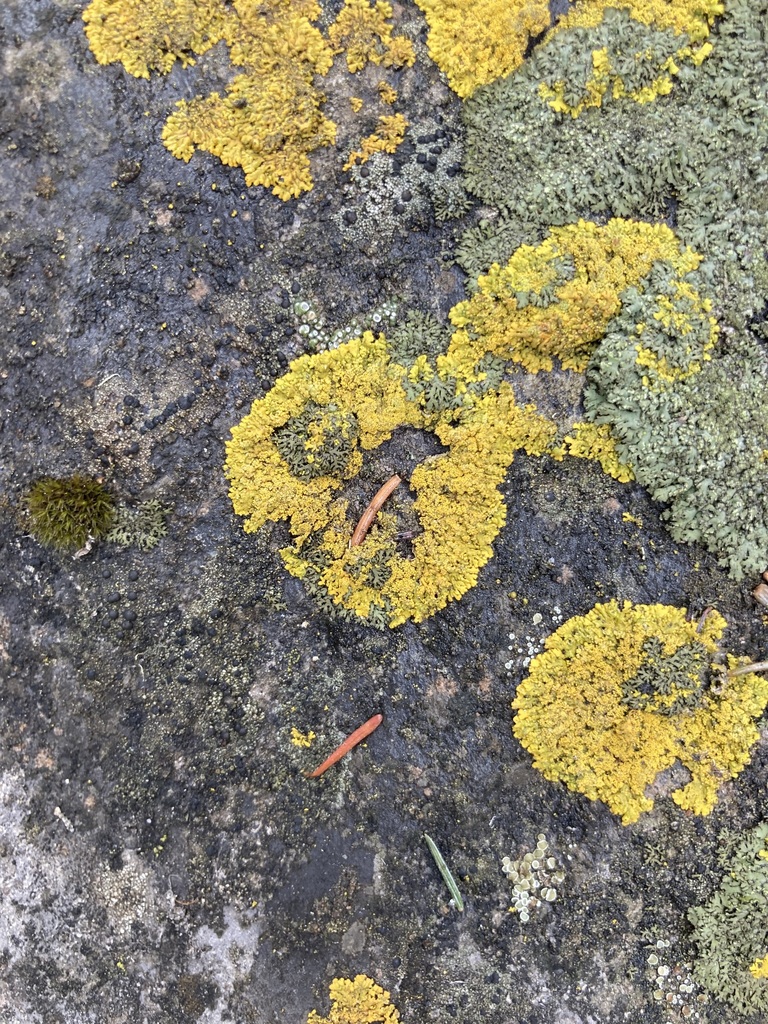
(534, 877)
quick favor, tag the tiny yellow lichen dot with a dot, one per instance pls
(301, 739)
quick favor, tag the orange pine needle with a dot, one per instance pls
(370, 513)
(351, 741)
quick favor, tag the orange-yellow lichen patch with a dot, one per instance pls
(477, 41)
(358, 1001)
(150, 35)
(363, 32)
(623, 692)
(353, 398)
(387, 94)
(270, 119)
(390, 132)
(590, 441)
(302, 739)
(556, 299)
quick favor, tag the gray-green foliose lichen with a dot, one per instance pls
(694, 158)
(699, 442)
(140, 527)
(731, 930)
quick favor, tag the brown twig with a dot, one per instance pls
(370, 513)
(351, 741)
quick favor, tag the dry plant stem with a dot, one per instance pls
(351, 741)
(370, 513)
(703, 619)
(743, 670)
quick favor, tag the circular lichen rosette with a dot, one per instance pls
(291, 457)
(622, 693)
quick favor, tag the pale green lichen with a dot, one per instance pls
(686, 411)
(417, 334)
(620, 49)
(731, 930)
(534, 878)
(696, 157)
(141, 527)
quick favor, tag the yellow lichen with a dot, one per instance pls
(389, 133)
(270, 119)
(477, 41)
(623, 692)
(556, 299)
(759, 969)
(628, 517)
(151, 35)
(361, 1001)
(590, 441)
(692, 17)
(301, 739)
(387, 94)
(363, 32)
(356, 103)
(457, 504)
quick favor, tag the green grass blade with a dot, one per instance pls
(445, 871)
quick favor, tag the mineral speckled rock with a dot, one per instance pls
(164, 859)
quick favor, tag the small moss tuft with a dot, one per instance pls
(64, 513)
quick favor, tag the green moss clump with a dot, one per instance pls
(731, 930)
(696, 155)
(686, 410)
(66, 512)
